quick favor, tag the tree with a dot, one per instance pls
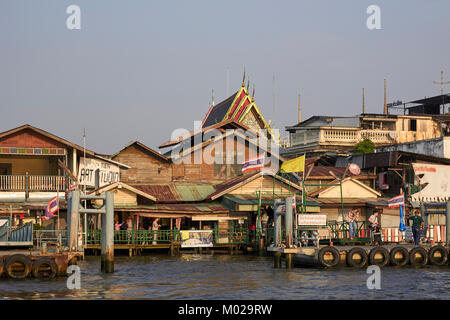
(364, 147)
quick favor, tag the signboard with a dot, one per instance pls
(196, 238)
(108, 173)
(435, 178)
(312, 219)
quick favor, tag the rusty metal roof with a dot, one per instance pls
(179, 192)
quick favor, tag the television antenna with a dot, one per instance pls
(442, 83)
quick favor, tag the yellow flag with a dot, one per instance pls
(294, 165)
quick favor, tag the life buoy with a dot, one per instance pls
(418, 257)
(329, 257)
(379, 256)
(44, 268)
(438, 255)
(399, 256)
(357, 257)
(18, 266)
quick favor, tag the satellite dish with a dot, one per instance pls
(354, 169)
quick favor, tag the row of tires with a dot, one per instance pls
(19, 266)
(380, 256)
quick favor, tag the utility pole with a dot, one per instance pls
(363, 103)
(299, 110)
(442, 83)
(385, 110)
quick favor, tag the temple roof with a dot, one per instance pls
(236, 107)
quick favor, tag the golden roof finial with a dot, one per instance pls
(243, 78)
(248, 82)
(253, 93)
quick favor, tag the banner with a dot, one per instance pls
(196, 238)
(294, 165)
(253, 164)
(397, 201)
(108, 172)
(312, 219)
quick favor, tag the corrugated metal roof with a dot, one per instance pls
(190, 208)
(319, 171)
(171, 192)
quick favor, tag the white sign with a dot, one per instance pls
(108, 172)
(437, 177)
(312, 219)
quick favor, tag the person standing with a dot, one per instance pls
(417, 226)
(350, 219)
(155, 228)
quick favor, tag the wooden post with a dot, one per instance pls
(447, 224)
(288, 260)
(277, 259)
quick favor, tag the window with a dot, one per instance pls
(412, 125)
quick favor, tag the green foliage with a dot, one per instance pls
(364, 147)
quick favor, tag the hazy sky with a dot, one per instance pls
(137, 70)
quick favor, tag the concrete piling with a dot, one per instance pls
(74, 219)
(107, 257)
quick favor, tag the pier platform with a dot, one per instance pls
(20, 264)
(361, 256)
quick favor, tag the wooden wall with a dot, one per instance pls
(144, 166)
(36, 165)
(29, 139)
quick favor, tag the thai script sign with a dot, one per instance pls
(435, 179)
(107, 172)
(312, 219)
(196, 238)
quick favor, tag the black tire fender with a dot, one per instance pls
(49, 263)
(404, 256)
(375, 252)
(436, 260)
(352, 262)
(326, 262)
(2, 266)
(418, 262)
(18, 258)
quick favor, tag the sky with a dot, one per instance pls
(138, 70)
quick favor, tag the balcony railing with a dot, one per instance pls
(30, 183)
(351, 137)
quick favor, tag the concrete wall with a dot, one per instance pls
(438, 147)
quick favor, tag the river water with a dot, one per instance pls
(192, 276)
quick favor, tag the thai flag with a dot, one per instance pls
(52, 208)
(396, 201)
(253, 164)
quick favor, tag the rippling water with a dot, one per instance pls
(191, 276)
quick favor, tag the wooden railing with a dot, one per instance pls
(30, 183)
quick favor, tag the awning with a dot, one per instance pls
(249, 202)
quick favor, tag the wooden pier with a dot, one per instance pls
(362, 256)
(21, 264)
